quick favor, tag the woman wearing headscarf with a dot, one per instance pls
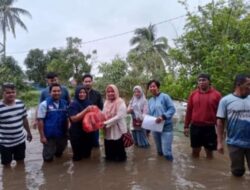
(138, 107)
(115, 125)
(81, 142)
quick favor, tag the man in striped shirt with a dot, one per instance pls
(13, 121)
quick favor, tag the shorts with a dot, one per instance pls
(203, 136)
(8, 153)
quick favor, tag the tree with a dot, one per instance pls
(149, 56)
(11, 72)
(113, 73)
(9, 17)
(216, 41)
(69, 61)
(36, 63)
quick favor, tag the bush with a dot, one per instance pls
(30, 98)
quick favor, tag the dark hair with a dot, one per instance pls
(87, 75)
(157, 83)
(9, 85)
(53, 85)
(51, 75)
(204, 75)
(240, 79)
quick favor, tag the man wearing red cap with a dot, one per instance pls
(201, 117)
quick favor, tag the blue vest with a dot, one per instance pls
(55, 122)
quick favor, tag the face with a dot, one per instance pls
(53, 81)
(137, 93)
(55, 92)
(203, 83)
(245, 88)
(110, 94)
(87, 82)
(9, 95)
(82, 94)
(153, 89)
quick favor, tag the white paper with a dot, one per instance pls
(150, 124)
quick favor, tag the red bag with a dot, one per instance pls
(137, 123)
(127, 139)
(93, 120)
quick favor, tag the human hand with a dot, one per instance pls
(186, 132)
(159, 119)
(130, 110)
(34, 124)
(43, 140)
(220, 148)
(29, 137)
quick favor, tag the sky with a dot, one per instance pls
(55, 20)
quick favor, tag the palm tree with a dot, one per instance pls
(9, 17)
(151, 50)
(145, 41)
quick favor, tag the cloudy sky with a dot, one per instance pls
(55, 20)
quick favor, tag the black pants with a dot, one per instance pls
(114, 150)
(82, 145)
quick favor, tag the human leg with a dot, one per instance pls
(167, 140)
(236, 155)
(158, 143)
(96, 139)
(196, 140)
(19, 152)
(76, 145)
(49, 150)
(6, 155)
(61, 144)
(209, 140)
(119, 150)
(108, 145)
(247, 153)
(134, 134)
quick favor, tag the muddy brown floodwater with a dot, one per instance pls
(144, 170)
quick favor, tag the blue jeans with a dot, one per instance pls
(163, 141)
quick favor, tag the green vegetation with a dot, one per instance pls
(30, 98)
(215, 40)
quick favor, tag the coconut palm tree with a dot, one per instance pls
(9, 18)
(149, 51)
(145, 41)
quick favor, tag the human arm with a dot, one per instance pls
(27, 128)
(41, 114)
(79, 116)
(43, 138)
(220, 126)
(76, 112)
(121, 113)
(168, 109)
(188, 116)
(129, 109)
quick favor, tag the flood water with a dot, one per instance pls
(144, 170)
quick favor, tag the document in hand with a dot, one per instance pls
(150, 124)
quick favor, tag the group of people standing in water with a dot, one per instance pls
(59, 118)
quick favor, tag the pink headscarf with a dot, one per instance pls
(110, 106)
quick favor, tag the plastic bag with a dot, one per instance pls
(93, 120)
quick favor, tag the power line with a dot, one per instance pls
(110, 36)
(115, 35)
